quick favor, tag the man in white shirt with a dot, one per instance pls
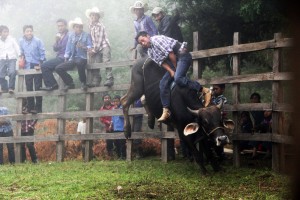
(9, 52)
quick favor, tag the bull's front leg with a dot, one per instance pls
(127, 125)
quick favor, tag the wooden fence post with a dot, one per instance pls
(277, 97)
(88, 150)
(61, 107)
(197, 70)
(236, 99)
(19, 110)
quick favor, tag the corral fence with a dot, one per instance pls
(278, 138)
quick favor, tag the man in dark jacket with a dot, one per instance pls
(167, 25)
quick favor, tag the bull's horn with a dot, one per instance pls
(220, 105)
(194, 112)
(191, 128)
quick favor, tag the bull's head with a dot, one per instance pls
(210, 121)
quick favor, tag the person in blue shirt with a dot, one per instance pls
(142, 23)
(33, 51)
(6, 131)
(79, 42)
(118, 126)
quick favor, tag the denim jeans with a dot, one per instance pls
(164, 87)
(183, 64)
(10, 148)
(62, 69)
(35, 80)
(8, 67)
(48, 68)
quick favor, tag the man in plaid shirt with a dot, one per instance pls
(101, 47)
(174, 57)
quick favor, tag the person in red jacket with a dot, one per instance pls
(107, 121)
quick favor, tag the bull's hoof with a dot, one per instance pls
(151, 121)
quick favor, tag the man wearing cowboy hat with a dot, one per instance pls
(142, 23)
(78, 44)
(167, 25)
(101, 47)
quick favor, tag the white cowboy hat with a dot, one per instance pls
(77, 20)
(96, 10)
(138, 4)
(157, 10)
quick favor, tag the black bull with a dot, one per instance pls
(145, 80)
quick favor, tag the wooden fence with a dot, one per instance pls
(277, 137)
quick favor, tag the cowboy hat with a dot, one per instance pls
(138, 4)
(96, 10)
(157, 10)
(77, 20)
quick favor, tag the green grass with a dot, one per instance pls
(141, 179)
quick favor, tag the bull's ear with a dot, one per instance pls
(228, 125)
(191, 128)
(220, 105)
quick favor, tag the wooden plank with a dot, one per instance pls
(115, 64)
(60, 145)
(242, 48)
(265, 137)
(276, 98)
(246, 78)
(197, 70)
(88, 155)
(129, 149)
(72, 91)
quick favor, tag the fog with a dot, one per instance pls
(117, 19)
(43, 14)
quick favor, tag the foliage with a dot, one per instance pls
(140, 179)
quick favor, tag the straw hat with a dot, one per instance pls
(96, 10)
(77, 20)
(138, 4)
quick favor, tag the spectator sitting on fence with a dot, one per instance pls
(167, 25)
(118, 126)
(106, 121)
(6, 131)
(101, 48)
(59, 47)
(9, 52)
(79, 42)
(81, 129)
(142, 23)
(27, 129)
(33, 50)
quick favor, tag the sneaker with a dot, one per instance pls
(84, 86)
(165, 115)
(10, 91)
(33, 111)
(67, 87)
(109, 83)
